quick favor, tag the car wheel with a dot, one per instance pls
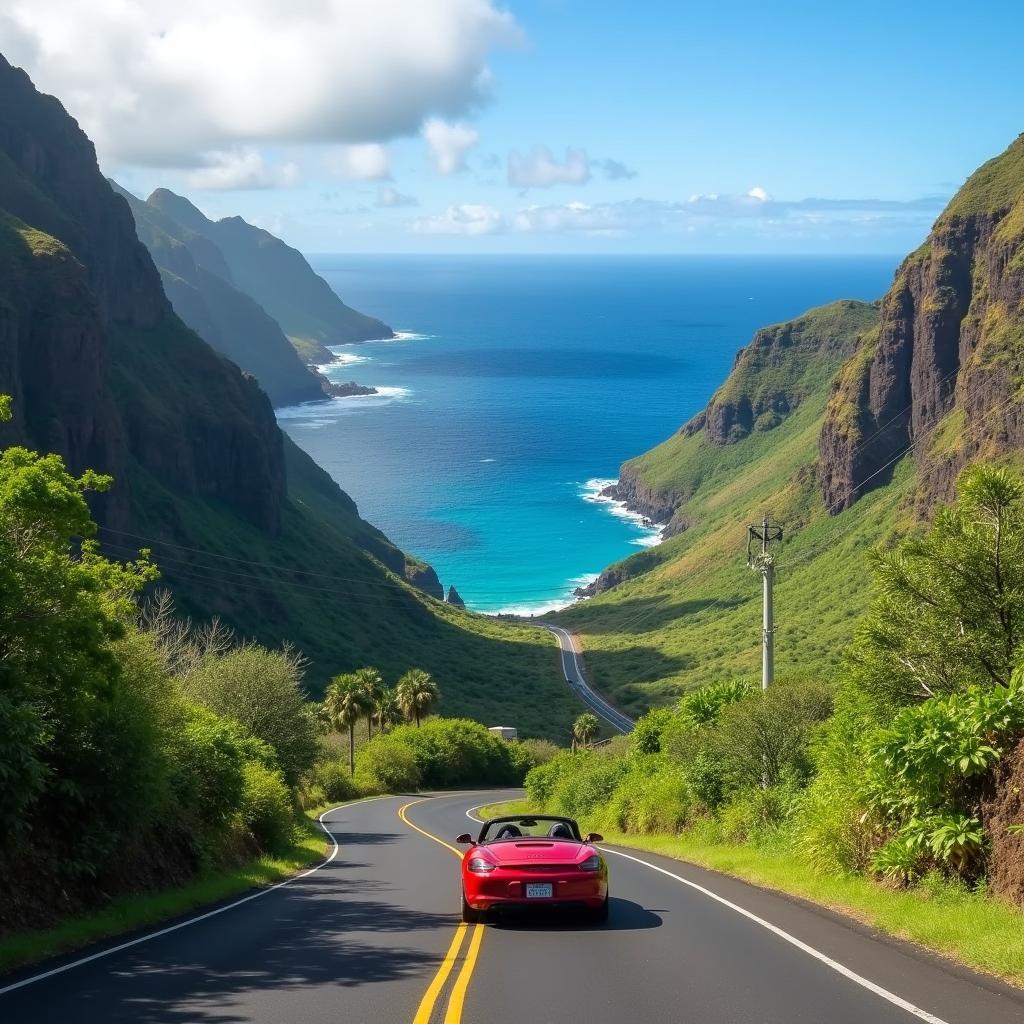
(469, 915)
(600, 915)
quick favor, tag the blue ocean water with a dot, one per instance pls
(518, 386)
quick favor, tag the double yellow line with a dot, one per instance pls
(456, 1001)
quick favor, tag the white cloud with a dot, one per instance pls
(449, 144)
(389, 196)
(368, 161)
(539, 169)
(462, 219)
(243, 168)
(163, 84)
(759, 193)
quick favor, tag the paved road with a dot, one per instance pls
(373, 936)
(575, 676)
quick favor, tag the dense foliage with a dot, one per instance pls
(894, 767)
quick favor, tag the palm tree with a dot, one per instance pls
(386, 712)
(345, 703)
(584, 729)
(372, 683)
(417, 693)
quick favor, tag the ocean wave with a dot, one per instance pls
(652, 534)
(399, 336)
(343, 359)
(320, 414)
(554, 604)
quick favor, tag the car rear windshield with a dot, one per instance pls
(536, 828)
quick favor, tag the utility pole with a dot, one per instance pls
(764, 563)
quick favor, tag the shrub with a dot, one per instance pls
(261, 690)
(652, 797)
(455, 752)
(333, 782)
(646, 736)
(541, 751)
(206, 760)
(521, 760)
(266, 807)
(764, 739)
(540, 781)
(387, 765)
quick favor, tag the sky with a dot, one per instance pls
(542, 125)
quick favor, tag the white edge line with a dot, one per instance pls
(839, 968)
(201, 917)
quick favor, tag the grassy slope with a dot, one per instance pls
(316, 587)
(694, 614)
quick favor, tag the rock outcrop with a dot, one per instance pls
(453, 597)
(940, 376)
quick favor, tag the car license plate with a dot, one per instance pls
(539, 890)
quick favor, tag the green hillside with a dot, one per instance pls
(690, 611)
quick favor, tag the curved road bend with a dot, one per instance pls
(575, 675)
(373, 936)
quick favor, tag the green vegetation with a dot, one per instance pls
(688, 616)
(889, 786)
(129, 913)
(994, 186)
(157, 755)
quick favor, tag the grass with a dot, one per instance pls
(963, 926)
(134, 912)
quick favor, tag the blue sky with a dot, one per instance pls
(544, 125)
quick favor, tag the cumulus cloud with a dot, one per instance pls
(389, 196)
(539, 169)
(368, 161)
(243, 168)
(164, 84)
(614, 170)
(462, 219)
(449, 144)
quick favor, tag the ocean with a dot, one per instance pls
(519, 384)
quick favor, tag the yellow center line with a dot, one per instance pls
(458, 996)
(453, 1015)
(426, 1007)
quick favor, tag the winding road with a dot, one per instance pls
(372, 936)
(575, 675)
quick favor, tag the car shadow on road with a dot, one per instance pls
(623, 916)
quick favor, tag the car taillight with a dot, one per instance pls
(479, 866)
(592, 863)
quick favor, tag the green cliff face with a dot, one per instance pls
(242, 524)
(197, 280)
(278, 278)
(848, 424)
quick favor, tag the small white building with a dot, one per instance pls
(506, 732)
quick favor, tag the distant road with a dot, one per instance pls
(373, 936)
(575, 676)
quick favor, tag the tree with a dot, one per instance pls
(417, 694)
(950, 607)
(345, 703)
(62, 607)
(372, 683)
(262, 691)
(763, 739)
(386, 712)
(584, 729)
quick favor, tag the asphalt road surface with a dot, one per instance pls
(575, 676)
(373, 937)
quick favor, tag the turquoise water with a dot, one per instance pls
(519, 384)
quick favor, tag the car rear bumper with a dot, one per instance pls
(494, 893)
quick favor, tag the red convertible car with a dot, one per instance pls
(533, 861)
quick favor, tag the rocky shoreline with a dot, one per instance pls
(346, 389)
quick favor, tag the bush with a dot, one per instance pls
(651, 797)
(541, 751)
(206, 758)
(540, 782)
(387, 764)
(333, 783)
(521, 760)
(261, 690)
(266, 807)
(646, 736)
(457, 752)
